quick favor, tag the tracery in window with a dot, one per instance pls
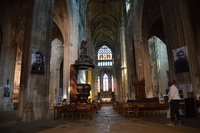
(104, 56)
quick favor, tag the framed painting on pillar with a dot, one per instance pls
(7, 91)
(38, 60)
(181, 59)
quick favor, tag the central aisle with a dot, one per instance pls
(108, 121)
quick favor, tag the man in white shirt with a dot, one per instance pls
(174, 100)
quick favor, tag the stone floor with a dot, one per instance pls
(106, 121)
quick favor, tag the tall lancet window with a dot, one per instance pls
(128, 6)
(104, 56)
(105, 82)
(112, 81)
(98, 83)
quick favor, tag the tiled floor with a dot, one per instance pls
(106, 121)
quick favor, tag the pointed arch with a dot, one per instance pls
(104, 56)
(105, 82)
(159, 64)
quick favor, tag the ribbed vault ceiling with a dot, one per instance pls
(103, 20)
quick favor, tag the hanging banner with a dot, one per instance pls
(181, 59)
(38, 60)
(7, 91)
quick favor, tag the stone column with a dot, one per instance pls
(8, 46)
(89, 81)
(56, 60)
(34, 88)
(6, 80)
(147, 69)
(124, 80)
(142, 62)
(66, 72)
(179, 33)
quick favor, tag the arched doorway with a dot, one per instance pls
(159, 65)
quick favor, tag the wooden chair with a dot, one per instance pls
(85, 111)
(70, 111)
(128, 109)
(115, 106)
(120, 108)
(61, 111)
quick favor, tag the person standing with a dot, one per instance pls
(174, 100)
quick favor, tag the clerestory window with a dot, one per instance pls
(104, 56)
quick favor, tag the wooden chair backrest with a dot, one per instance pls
(128, 104)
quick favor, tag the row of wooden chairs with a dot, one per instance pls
(145, 106)
(125, 108)
(75, 111)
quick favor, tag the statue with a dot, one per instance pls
(83, 47)
(84, 60)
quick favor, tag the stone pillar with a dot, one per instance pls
(66, 72)
(147, 69)
(109, 83)
(142, 63)
(6, 79)
(124, 76)
(8, 44)
(34, 88)
(179, 33)
(89, 81)
(56, 60)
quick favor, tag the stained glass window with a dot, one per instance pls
(112, 81)
(104, 56)
(98, 84)
(105, 82)
(128, 5)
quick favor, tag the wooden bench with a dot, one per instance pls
(85, 111)
(148, 108)
(71, 111)
(128, 109)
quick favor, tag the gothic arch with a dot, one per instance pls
(65, 21)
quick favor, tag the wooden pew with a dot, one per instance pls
(150, 106)
(142, 107)
(85, 111)
(128, 109)
(71, 111)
